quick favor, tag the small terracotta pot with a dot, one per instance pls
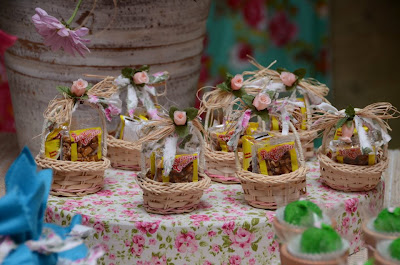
(372, 238)
(379, 260)
(289, 259)
(285, 232)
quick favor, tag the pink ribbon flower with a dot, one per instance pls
(237, 82)
(180, 117)
(288, 78)
(78, 87)
(57, 36)
(261, 101)
(141, 78)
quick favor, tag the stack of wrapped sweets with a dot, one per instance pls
(136, 87)
(74, 136)
(297, 216)
(385, 226)
(302, 92)
(353, 154)
(319, 245)
(24, 238)
(174, 182)
(388, 252)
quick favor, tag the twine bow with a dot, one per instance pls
(373, 115)
(60, 110)
(265, 76)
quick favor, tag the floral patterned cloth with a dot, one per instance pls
(224, 230)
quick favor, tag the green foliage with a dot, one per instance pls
(350, 112)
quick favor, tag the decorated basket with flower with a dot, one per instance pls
(220, 158)
(297, 88)
(273, 167)
(353, 154)
(74, 137)
(137, 89)
(175, 180)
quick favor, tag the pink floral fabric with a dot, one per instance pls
(224, 230)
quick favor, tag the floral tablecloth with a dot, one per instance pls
(224, 230)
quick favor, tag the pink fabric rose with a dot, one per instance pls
(261, 101)
(179, 117)
(200, 217)
(148, 227)
(228, 227)
(141, 78)
(78, 87)
(237, 82)
(235, 260)
(288, 78)
(242, 239)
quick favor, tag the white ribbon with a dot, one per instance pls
(385, 136)
(365, 144)
(132, 100)
(239, 129)
(169, 154)
(94, 254)
(52, 243)
(6, 246)
(150, 89)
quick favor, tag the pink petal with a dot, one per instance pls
(82, 32)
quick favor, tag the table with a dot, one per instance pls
(224, 230)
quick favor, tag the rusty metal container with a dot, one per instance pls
(166, 34)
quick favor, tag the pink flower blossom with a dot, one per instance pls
(252, 261)
(351, 205)
(106, 238)
(261, 101)
(85, 220)
(6, 41)
(140, 78)
(237, 82)
(273, 247)
(180, 117)
(111, 256)
(93, 99)
(282, 31)
(200, 217)
(147, 227)
(104, 193)
(211, 234)
(270, 235)
(207, 263)
(98, 226)
(159, 261)
(152, 242)
(110, 111)
(57, 36)
(215, 248)
(254, 13)
(247, 253)
(242, 239)
(228, 227)
(235, 260)
(288, 78)
(186, 242)
(78, 87)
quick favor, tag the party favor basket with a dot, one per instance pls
(122, 153)
(311, 92)
(262, 191)
(352, 177)
(167, 197)
(86, 174)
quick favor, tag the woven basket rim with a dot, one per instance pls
(119, 143)
(380, 166)
(173, 188)
(288, 178)
(77, 166)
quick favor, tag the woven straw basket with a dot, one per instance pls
(288, 259)
(76, 178)
(174, 198)
(345, 177)
(372, 238)
(379, 260)
(263, 191)
(124, 154)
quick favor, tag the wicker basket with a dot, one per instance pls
(221, 166)
(174, 198)
(289, 259)
(372, 238)
(379, 260)
(76, 178)
(307, 143)
(285, 232)
(263, 191)
(124, 154)
(345, 177)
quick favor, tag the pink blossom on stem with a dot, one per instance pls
(93, 99)
(56, 35)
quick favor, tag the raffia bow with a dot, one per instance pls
(307, 84)
(59, 110)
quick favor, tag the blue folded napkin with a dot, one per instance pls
(24, 238)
